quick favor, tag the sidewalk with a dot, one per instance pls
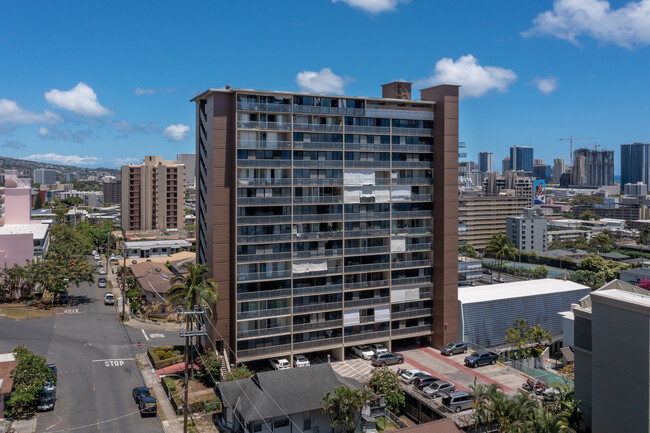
(168, 418)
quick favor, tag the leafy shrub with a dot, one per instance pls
(167, 352)
(240, 372)
(209, 368)
(30, 375)
(385, 383)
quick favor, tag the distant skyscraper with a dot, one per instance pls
(521, 158)
(593, 167)
(45, 176)
(505, 165)
(485, 161)
(635, 163)
(189, 160)
(542, 171)
(559, 167)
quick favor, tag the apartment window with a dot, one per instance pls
(279, 423)
(307, 421)
(257, 427)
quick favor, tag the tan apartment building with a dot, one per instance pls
(325, 219)
(153, 195)
(483, 216)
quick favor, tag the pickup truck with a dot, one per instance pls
(477, 359)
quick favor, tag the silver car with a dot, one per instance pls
(457, 401)
(438, 389)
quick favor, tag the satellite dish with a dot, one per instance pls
(134, 261)
(158, 269)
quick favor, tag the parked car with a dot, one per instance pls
(140, 392)
(148, 406)
(423, 382)
(99, 263)
(109, 298)
(487, 271)
(498, 280)
(279, 364)
(364, 352)
(101, 283)
(94, 252)
(301, 361)
(388, 358)
(483, 357)
(465, 283)
(112, 259)
(378, 348)
(438, 389)
(410, 375)
(46, 400)
(97, 257)
(102, 271)
(454, 348)
(64, 298)
(50, 385)
(458, 400)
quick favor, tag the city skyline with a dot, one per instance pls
(110, 98)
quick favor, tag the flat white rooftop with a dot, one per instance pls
(626, 296)
(158, 244)
(519, 289)
(38, 230)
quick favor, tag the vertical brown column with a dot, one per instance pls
(220, 212)
(445, 212)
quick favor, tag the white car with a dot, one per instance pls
(94, 252)
(97, 257)
(102, 271)
(113, 259)
(364, 352)
(279, 364)
(109, 299)
(409, 375)
(378, 348)
(301, 361)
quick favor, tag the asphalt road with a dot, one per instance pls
(94, 354)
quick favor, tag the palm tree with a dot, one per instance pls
(501, 248)
(194, 288)
(642, 240)
(344, 407)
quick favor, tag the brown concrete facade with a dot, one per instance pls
(445, 213)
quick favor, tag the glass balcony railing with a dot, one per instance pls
(318, 199)
(266, 219)
(257, 106)
(420, 312)
(366, 216)
(297, 309)
(262, 144)
(317, 181)
(368, 267)
(367, 302)
(318, 235)
(266, 126)
(317, 127)
(366, 336)
(270, 312)
(259, 201)
(266, 350)
(367, 164)
(412, 214)
(263, 182)
(412, 231)
(368, 129)
(368, 147)
(270, 275)
(367, 284)
(418, 247)
(422, 132)
(367, 250)
(366, 233)
(411, 264)
(299, 163)
(325, 324)
(424, 329)
(412, 164)
(264, 294)
(243, 258)
(263, 332)
(258, 239)
(317, 253)
(328, 110)
(411, 280)
(317, 290)
(317, 145)
(317, 217)
(303, 345)
(264, 163)
(412, 181)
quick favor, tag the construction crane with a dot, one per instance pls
(570, 140)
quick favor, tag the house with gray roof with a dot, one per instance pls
(281, 401)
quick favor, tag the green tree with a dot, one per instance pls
(385, 383)
(602, 243)
(194, 289)
(516, 335)
(468, 250)
(588, 215)
(38, 201)
(501, 248)
(527, 340)
(608, 269)
(30, 375)
(642, 240)
(344, 407)
(209, 368)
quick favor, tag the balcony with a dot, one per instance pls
(297, 309)
(262, 144)
(264, 163)
(411, 264)
(421, 197)
(263, 182)
(411, 280)
(317, 145)
(366, 336)
(329, 271)
(412, 231)
(264, 332)
(424, 329)
(268, 257)
(300, 163)
(412, 181)
(267, 350)
(259, 201)
(366, 233)
(317, 127)
(412, 164)
(368, 147)
(419, 247)
(367, 164)
(323, 342)
(412, 214)
(258, 239)
(270, 312)
(257, 106)
(367, 319)
(317, 290)
(317, 253)
(264, 294)
(318, 235)
(328, 110)
(265, 219)
(367, 250)
(366, 284)
(363, 216)
(368, 267)
(266, 126)
(419, 148)
(368, 129)
(271, 275)
(318, 199)
(423, 132)
(326, 324)
(317, 181)
(420, 312)
(367, 303)
(317, 217)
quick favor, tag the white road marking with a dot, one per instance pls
(145, 334)
(157, 335)
(118, 359)
(60, 419)
(113, 363)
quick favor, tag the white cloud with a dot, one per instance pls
(628, 26)
(176, 132)
(81, 100)
(64, 159)
(13, 144)
(64, 134)
(11, 112)
(142, 91)
(476, 80)
(546, 85)
(324, 81)
(126, 127)
(373, 6)
(43, 132)
(125, 161)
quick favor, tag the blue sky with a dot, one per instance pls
(104, 83)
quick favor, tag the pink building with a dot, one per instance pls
(21, 239)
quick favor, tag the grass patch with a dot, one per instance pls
(22, 310)
(386, 425)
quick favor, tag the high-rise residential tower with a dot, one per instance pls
(506, 165)
(44, 176)
(559, 168)
(521, 158)
(485, 162)
(189, 161)
(592, 167)
(635, 163)
(153, 195)
(316, 217)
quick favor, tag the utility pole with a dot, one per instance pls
(123, 274)
(195, 316)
